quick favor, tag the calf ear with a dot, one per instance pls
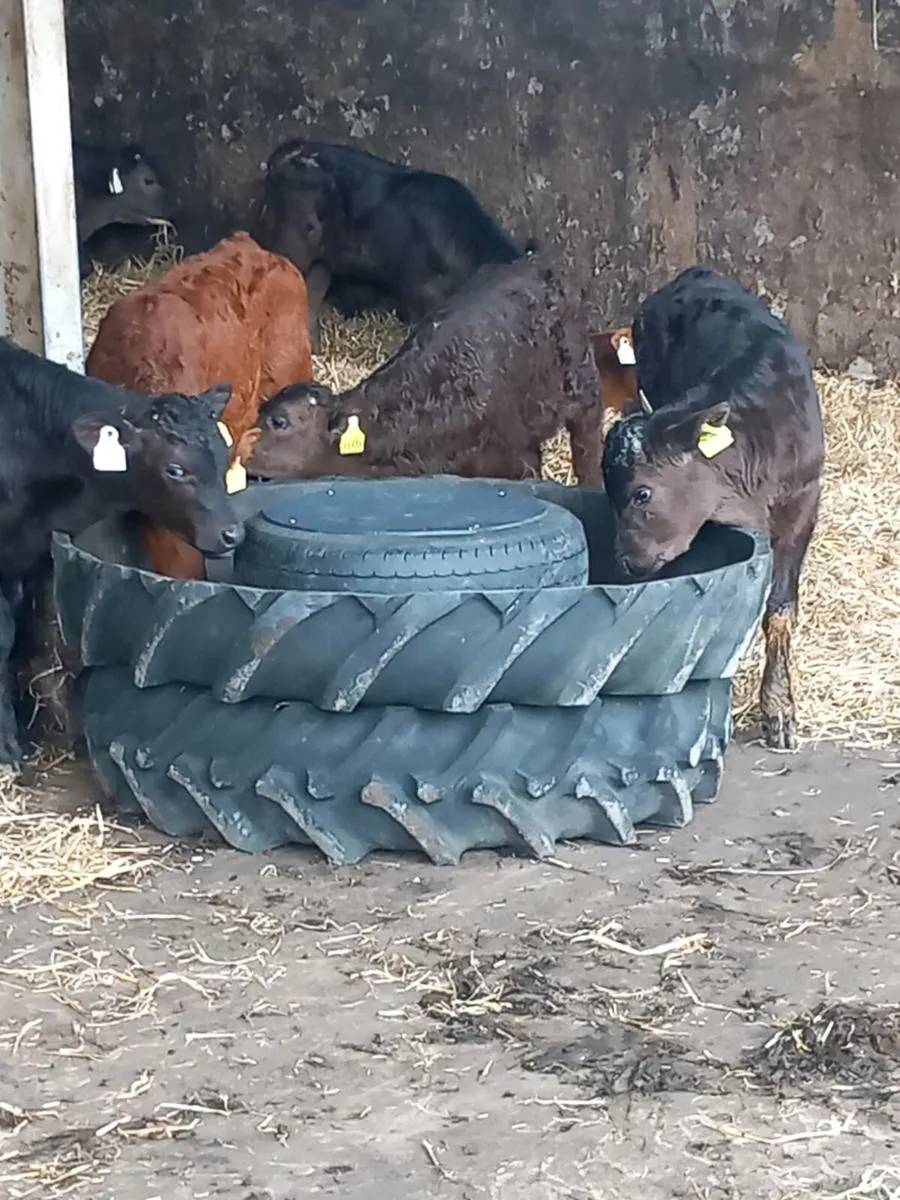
(623, 343)
(717, 415)
(216, 398)
(604, 351)
(86, 429)
(680, 431)
(106, 438)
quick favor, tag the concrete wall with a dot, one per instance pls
(637, 135)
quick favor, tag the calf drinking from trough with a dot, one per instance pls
(236, 312)
(732, 433)
(75, 450)
(114, 185)
(474, 390)
(387, 235)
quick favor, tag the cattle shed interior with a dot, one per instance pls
(635, 136)
(709, 1011)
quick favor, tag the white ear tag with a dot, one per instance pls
(226, 433)
(235, 477)
(625, 353)
(109, 453)
(115, 182)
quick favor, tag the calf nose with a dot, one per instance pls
(232, 536)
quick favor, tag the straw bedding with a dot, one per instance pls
(847, 644)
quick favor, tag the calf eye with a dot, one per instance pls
(174, 471)
(278, 422)
(641, 496)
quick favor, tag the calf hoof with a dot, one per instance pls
(779, 732)
(11, 754)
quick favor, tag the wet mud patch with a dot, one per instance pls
(787, 853)
(852, 1048)
(615, 1060)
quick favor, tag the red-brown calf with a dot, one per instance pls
(236, 313)
(614, 356)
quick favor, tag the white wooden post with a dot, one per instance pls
(40, 306)
(20, 297)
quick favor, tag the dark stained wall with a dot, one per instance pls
(637, 135)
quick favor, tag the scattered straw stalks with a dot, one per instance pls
(847, 643)
(848, 1047)
(352, 349)
(46, 855)
(104, 286)
(74, 1161)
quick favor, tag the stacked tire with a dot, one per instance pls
(411, 664)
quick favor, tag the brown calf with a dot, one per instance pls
(614, 356)
(474, 390)
(733, 435)
(236, 313)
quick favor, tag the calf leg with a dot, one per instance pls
(318, 281)
(355, 297)
(10, 749)
(586, 438)
(44, 666)
(792, 531)
(422, 290)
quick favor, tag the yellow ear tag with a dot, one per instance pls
(714, 439)
(236, 477)
(353, 440)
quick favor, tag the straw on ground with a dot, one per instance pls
(45, 856)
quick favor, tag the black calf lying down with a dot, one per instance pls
(114, 185)
(389, 235)
(73, 450)
(732, 433)
(473, 390)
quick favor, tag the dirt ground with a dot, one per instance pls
(707, 1016)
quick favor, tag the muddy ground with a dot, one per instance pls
(707, 1016)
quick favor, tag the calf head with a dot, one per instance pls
(143, 197)
(664, 480)
(131, 194)
(166, 458)
(300, 200)
(296, 431)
